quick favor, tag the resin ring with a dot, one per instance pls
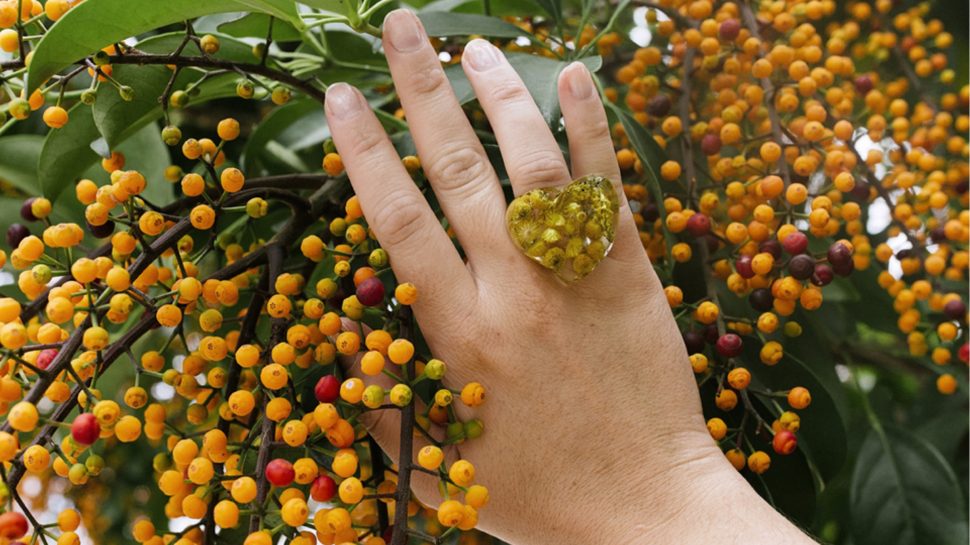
(569, 230)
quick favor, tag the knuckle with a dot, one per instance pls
(429, 81)
(540, 168)
(595, 129)
(509, 90)
(456, 170)
(366, 144)
(399, 219)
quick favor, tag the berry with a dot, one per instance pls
(327, 389)
(279, 472)
(784, 442)
(370, 292)
(323, 488)
(729, 345)
(13, 525)
(85, 429)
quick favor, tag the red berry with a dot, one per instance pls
(323, 488)
(45, 357)
(26, 210)
(327, 389)
(784, 442)
(370, 292)
(795, 243)
(964, 353)
(802, 266)
(15, 233)
(823, 275)
(13, 525)
(729, 30)
(699, 225)
(863, 84)
(955, 310)
(711, 144)
(729, 345)
(85, 429)
(743, 265)
(659, 105)
(279, 472)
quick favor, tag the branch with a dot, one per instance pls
(405, 454)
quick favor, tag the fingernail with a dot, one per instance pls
(482, 55)
(403, 31)
(343, 102)
(578, 81)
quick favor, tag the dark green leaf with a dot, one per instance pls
(18, 161)
(67, 152)
(335, 6)
(443, 23)
(553, 8)
(275, 124)
(524, 8)
(903, 492)
(256, 25)
(145, 152)
(540, 75)
(117, 119)
(83, 29)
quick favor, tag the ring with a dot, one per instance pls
(568, 230)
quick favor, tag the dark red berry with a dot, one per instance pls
(327, 389)
(370, 292)
(699, 225)
(651, 212)
(784, 442)
(761, 300)
(45, 357)
(659, 105)
(711, 144)
(279, 472)
(771, 246)
(85, 429)
(13, 525)
(323, 488)
(955, 310)
(964, 353)
(795, 243)
(743, 265)
(15, 233)
(710, 333)
(802, 266)
(823, 275)
(863, 84)
(694, 342)
(102, 231)
(729, 345)
(26, 211)
(729, 29)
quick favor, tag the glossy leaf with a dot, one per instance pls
(540, 75)
(82, 30)
(497, 7)
(442, 23)
(18, 161)
(256, 25)
(275, 124)
(903, 492)
(67, 152)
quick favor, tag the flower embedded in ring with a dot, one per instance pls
(568, 230)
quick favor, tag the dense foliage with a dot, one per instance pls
(187, 267)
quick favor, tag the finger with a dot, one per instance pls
(591, 149)
(395, 209)
(531, 155)
(452, 156)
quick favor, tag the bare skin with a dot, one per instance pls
(594, 425)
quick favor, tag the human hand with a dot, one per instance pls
(595, 430)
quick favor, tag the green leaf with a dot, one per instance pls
(256, 25)
(145, 152)
(117, 119)
(903, 492)
(443, 23)
(553, 8)
(67, 152)
(334, 6)
(525, 8)
(652, 156)
(83, 29)
(18, 161)
(275, 124)
(540, 75)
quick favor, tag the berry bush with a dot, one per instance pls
(188, 278)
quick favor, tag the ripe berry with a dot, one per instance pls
(45, 357)
(15, 233)
(802, 266)
(729, 29)
(327, 389)
(659, 105)
(743, 265)
(323, 488)
(694, 342)
(13, 525)
(795, 243)
(823, 275)
(761, 299)
(729, 345)
(955, 310)
(699, 225)
(279, 472)
(784, 442)
(711, 144)
(370, 292)
(85, 429)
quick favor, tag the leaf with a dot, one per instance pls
(145, 152)
(83, 29)
(903, 492)
(334, 6)
(540, 75)
(18, 161)
(256, 25)
(116, 118)
(443, 23)
(275, 124)
(67, 152)
(553, 8)
(525, 8)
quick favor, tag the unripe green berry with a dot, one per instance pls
(257, 207)
(474, 428)
(171, 135)
(127, 93)
(245, 89)
(179, 99)
(377, 259)
(435, 369)
(89, 96)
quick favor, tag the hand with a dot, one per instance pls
(594, 425)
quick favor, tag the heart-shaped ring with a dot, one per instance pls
(569, 230)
